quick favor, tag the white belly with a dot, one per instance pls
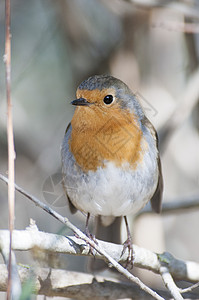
(113, 191)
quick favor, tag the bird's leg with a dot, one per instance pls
(128, 244)
(89, 235)
(87, 232)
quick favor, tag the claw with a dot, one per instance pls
(128, 245)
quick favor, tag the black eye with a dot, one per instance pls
(108, 99)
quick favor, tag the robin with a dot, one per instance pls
(110, 157)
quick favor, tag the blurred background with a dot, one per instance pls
(153, 46)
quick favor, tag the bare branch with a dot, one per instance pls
(62, 283)
(186, 270)
(24, 240)
(170, 284)
(100, 250)
(81, 286)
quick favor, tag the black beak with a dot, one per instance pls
(80, 102)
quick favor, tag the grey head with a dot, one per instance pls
(125, 97)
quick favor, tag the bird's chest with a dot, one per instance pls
(109, 139)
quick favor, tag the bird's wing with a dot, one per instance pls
(71, 206)
(156, 200)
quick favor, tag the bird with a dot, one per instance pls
(110, 160)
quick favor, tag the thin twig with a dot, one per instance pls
(190, 288)
(170, 284)
(65, 221)
(175, 206)
(11, 151)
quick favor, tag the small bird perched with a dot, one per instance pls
(110, 156)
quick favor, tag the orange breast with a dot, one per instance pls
(98, 136)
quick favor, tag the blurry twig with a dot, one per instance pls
(175, 206)
(190, 289)
(178, 26)
(189, 98)
(11, 151)
(80, 234)
(16, 284)
(177, 6)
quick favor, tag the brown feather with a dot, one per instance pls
(98, 136)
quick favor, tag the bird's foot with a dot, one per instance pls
(128, 245)
(91, 237)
